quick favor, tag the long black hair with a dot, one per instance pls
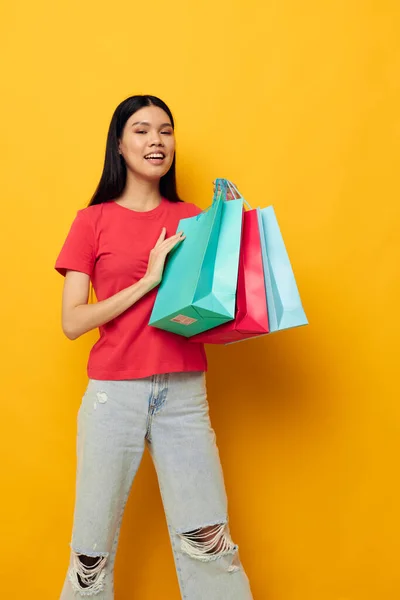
(113, 178)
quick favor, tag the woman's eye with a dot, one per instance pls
(166, 132)
(140, 131)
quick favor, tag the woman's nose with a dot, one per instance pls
(156, 140)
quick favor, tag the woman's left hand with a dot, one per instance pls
(230, 194)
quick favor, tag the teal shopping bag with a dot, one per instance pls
(285, 309)
(198, 289)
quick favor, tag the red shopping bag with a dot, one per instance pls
(251, 318)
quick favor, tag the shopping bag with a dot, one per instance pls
(198, 289)
(251, 318)
(285, 309)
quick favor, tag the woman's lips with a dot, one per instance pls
(156, 158)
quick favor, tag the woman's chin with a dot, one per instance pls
(154, 173)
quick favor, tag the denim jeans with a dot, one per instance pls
(169, 413)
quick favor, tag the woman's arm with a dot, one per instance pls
(79, 317)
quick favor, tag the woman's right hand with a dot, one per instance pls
(158, 256)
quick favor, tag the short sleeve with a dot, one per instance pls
(78, 252)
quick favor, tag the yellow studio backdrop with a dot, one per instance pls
(298, 103)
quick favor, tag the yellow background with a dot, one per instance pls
(298, 103)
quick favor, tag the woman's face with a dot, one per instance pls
(147, 143)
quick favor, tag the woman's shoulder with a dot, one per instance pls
(93, 209)
(93, 212)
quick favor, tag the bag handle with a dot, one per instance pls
(221, 189)
(232, 187)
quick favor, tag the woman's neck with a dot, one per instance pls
(140, 195)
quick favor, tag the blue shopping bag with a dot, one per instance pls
(285, 309)
(198, 289)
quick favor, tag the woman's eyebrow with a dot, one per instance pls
(147, 123)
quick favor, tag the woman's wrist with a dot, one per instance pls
(148, 283)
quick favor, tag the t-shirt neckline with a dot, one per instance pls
(148, 214)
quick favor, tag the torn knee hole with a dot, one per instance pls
(87, 573)
(208, 543)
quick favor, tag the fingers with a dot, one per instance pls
(161, 238)
(173, 240)
(230, 195)
(165, 245)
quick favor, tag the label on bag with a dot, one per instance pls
(182, 320)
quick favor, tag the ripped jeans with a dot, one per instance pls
(170, 414)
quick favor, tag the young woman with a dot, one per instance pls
(145, 385)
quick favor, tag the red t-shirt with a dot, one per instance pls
(112, 244)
